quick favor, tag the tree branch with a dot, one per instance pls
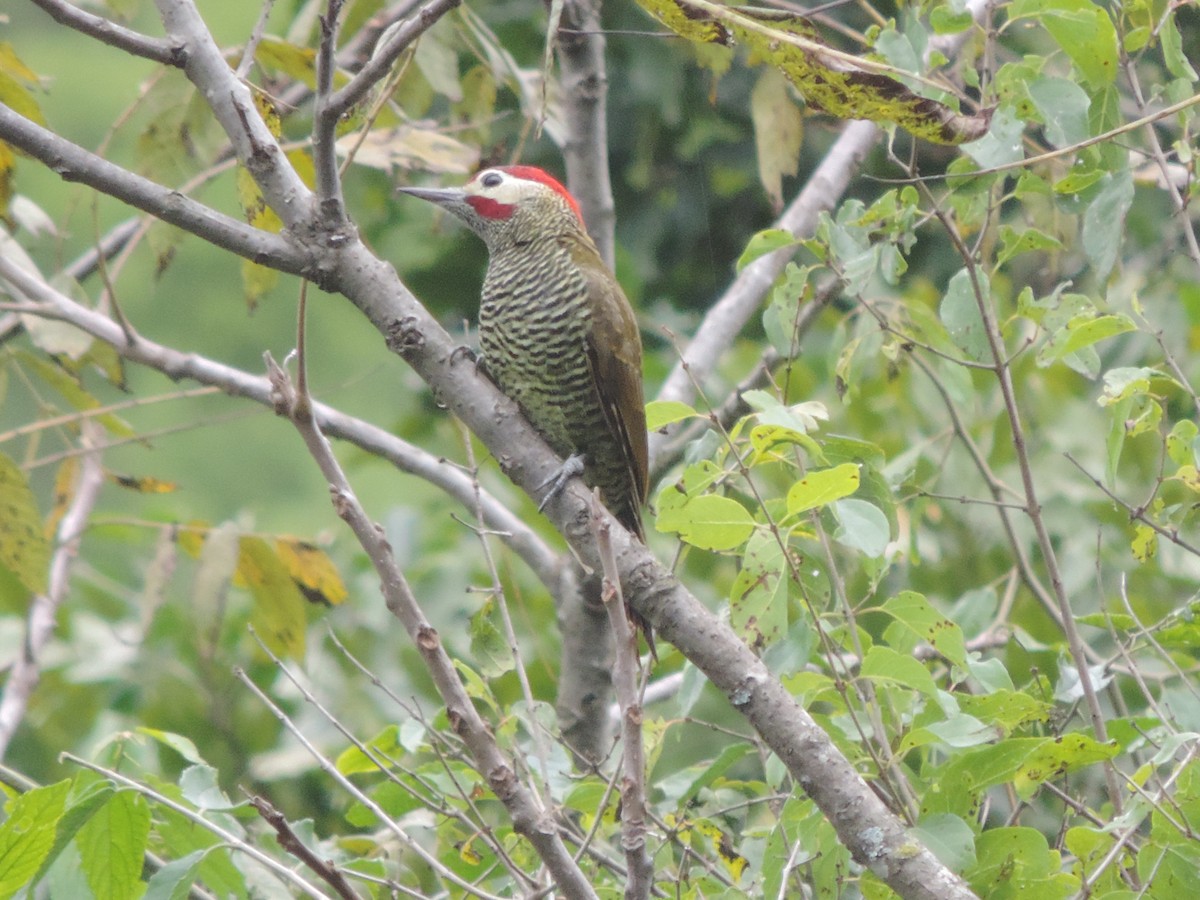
(256, 148)
(72, 163)
(550, 567)
(585, 110)
(26, 668)
(382, 59)
(725, 318)
(114, 35)
(529, 818)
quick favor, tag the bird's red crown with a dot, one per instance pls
(533, 173)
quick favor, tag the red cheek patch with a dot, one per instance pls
(491, 209)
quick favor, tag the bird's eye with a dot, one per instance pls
(491, 179)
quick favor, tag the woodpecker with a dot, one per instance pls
(557, 333)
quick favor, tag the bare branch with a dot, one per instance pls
(290, 842)
(39, 625)
(114, 35)
(383, 58)
(725, 318)
(324, 139)
(72, 163)
(529, 818)
(633, 754)
(550, 567)
(585, 111)
(234, 841)
(255, 146)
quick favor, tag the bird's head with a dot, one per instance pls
(507, 205)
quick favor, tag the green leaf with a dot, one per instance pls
(949, 838)
(951, 17)
(175, 880)
(1054, 758)
(1083, 30)
(1172, 47)
(1001, 144)
(758, 600)
(1182, 447)
(489, 648)
(1026, 240)
(181, 745)
(1104, 221)
(278, 56)
(73, 392)
(1080, 332)
(386, 744)
(822, 487)
(200, 787)
(1063, 106)
(661, 413)
(24, 550)
(778, 135)
(708, 521)
(918, 615)
(710, 772)
(180, 837)
(885, 664)
(1006, 709)
(1078, 180)
(111, 845)
(1017, 863)
(765, 242)
(438, 60)
(28, 833)
(861, 525)
(960, 314)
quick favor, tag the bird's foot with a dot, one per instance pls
(572, 466)
(462, 351)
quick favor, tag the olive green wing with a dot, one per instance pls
(615, 357)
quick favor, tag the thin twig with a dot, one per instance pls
(528, 817)
(625, 681)
(39, 624)
(233, 840)
(292, 844)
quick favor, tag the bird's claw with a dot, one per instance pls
(462, 351)
(571, 467)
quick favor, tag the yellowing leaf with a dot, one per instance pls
(144, 484)
(839, 84)
(822, 487)
(24, 550)
(734, 862)
(191, 537)
(312, 570)
(64, 490)
(778, 133)
(299, 63)
(1145, 543)
(758, 600)
(661, 413)
(707, 521)
(406, 147)
(279, 616)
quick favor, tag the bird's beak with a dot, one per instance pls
(440, 196)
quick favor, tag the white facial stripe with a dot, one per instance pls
(510, 190)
